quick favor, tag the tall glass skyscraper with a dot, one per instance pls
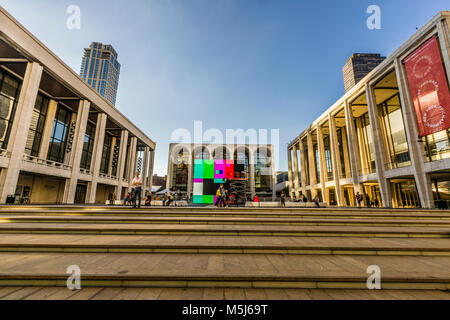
(100, 69)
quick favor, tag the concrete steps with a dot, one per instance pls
(101, 293)
(220, 245)
(225, 229)
(223, 271)
(203, 248)
(230, 221)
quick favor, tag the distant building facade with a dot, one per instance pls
(101, 69)
(388, 137)
(358, 66)
(60, 141)
(256, 163)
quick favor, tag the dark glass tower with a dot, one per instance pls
(100, 69)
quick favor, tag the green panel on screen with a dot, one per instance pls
(208, 199)
(208, 169)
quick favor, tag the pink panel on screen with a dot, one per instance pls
(219, 165)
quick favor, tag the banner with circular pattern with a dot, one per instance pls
(429, 88)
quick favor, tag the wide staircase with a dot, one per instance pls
(230, 253)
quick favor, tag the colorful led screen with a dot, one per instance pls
(210, 174)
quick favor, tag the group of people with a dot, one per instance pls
(222, 197)
(369, 203)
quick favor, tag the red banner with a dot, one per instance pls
(429, 88)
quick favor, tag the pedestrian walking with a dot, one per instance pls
(359, 199)
(283, 199)
(136, 184)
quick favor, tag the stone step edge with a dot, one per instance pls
(221, 249)
(229, 221)
(349, 233)
(132, 213)
(265, 282)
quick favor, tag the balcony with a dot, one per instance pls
(45, 162)
(5, 153)
(45, 167)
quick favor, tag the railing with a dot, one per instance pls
(5, 153)
(85, 171)
(396, 165)
(107, 176)
(45, 162)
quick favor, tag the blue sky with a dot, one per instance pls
(230, 63)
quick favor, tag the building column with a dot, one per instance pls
(132, 161)
(150, 171)
(74, 157)
(379, 150)
(48, 128)
(111, 155)
(444, 41)
(416, 150)
(296, 172)
(121, 162)
(290, 174)
(145, 169)
(322, 164)
(305, 172)
(96, 157)
(251, 160)
(334, 150)
(190, 165)
(352, 141)
(19, 130)
(312, 165)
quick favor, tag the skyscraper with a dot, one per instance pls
(358, 66)
(100, 69)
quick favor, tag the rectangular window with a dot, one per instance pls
(9, 94)
(60, 132)
(37, 126)
(106, 154)
(394, 131)
(88, 146)
(317, 162)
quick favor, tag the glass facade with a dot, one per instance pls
(88, 146)
(329, 167)
(404, 194)
(180, 171)
(317, 162)
(106, 154)
(437, 146)
(394, 133)
(9, 94)
(37, 126)
(367, 156)
(341, 135)
(262, 180)
(60, 133)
